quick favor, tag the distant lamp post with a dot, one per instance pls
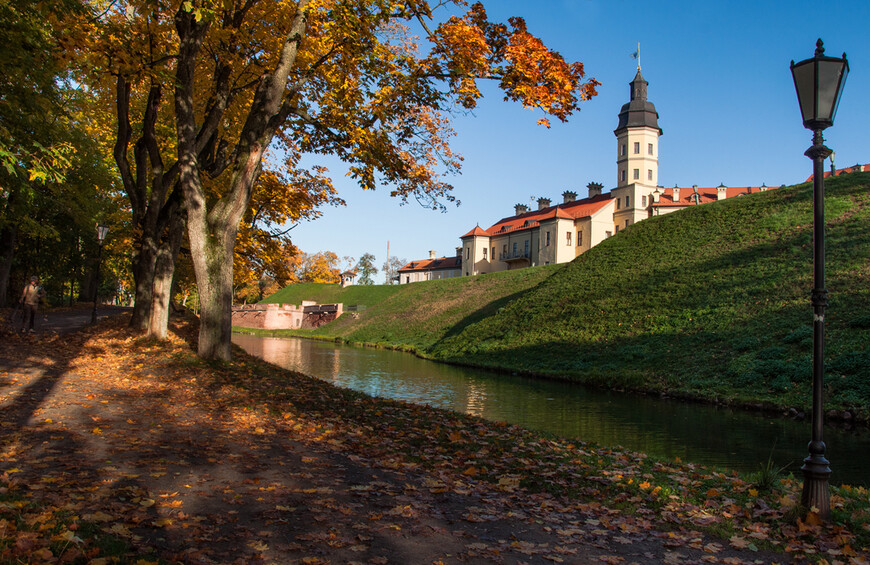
(819, 84)
(102, 230)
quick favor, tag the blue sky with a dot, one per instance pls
(718, 75)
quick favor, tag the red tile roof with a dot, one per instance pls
(853, 169)
(476, 231)
(432, 264)
(571, 210)
(707, 194)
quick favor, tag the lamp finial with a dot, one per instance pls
(820, 48)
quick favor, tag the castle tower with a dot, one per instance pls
(637, 143)
(637, 138)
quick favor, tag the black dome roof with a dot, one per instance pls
(638, 111)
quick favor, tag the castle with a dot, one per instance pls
(559, 233)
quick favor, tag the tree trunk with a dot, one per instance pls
(213, 265)
(144, 265)
(7, 250)
(164, 270)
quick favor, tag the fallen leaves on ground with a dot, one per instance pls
(119, 449)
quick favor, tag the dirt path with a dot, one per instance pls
(118, 453)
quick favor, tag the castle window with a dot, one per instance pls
(643, 201)
(636, 147)
(622, 176)
(493, 253)
(617, 203)
(627, 202)
(607, 234)
(622, 149)
(484, 253)
(649, 148)
(579, 238)
(548, 239)
(626, 223)
(649, 174)
(635, 174)
(568, 238)
(467, 253)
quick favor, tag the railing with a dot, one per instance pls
(513, 255)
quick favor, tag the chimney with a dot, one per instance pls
(431, 254)
(656, 195)
(568, 196)
(543, 203)
(676, 192)
(721, 192)
(520, 209)
(594, 189)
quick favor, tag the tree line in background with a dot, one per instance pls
(182, 125)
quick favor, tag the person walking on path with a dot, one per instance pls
(30, 297)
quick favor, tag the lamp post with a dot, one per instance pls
(819, 84)
(102, 230)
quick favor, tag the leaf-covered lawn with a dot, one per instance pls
(119, 450)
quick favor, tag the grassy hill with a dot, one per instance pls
(322, 293)
(711, 302)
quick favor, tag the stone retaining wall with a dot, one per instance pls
(285, 316)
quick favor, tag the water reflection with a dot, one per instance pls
(662, 428)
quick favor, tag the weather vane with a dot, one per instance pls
(636, 55)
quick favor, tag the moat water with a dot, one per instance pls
(699, 433)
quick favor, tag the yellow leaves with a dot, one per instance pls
(471, 471)
(97, 517)
(509, 484)
(68, 536)
(120, 530)
(257, 545)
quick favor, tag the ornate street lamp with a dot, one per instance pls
(102, 230)
(819, 84)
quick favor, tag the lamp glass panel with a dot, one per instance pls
(804, 82)
(829, 86)
(844, 72)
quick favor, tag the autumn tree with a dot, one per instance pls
(341, 77)
(366, 269)
(264, 252)
(36, 131)
(320, 267)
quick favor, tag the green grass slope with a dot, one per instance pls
(710, 302)
(322, 293)
(421, 314)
